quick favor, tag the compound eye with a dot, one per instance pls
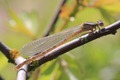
(100, 23)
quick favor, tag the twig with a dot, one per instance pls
(6, 51)
(21, 75)
(54, 19)
(111, 29)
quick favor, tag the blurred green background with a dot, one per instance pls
(22, 21)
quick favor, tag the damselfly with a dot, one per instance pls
(40, 47)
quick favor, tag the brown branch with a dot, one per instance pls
(111, 29)
(5, 50)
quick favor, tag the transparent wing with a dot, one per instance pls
(45, 43)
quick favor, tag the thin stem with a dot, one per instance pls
(54, 19)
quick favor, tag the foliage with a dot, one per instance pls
(98, 60)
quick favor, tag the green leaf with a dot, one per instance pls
(17, 24)
(31, 20)
(3, 61)
(113, 7)
(50, 71)
(107, 16)
(73, 69)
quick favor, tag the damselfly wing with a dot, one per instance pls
(40, 45)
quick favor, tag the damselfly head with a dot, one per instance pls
(100, 23)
